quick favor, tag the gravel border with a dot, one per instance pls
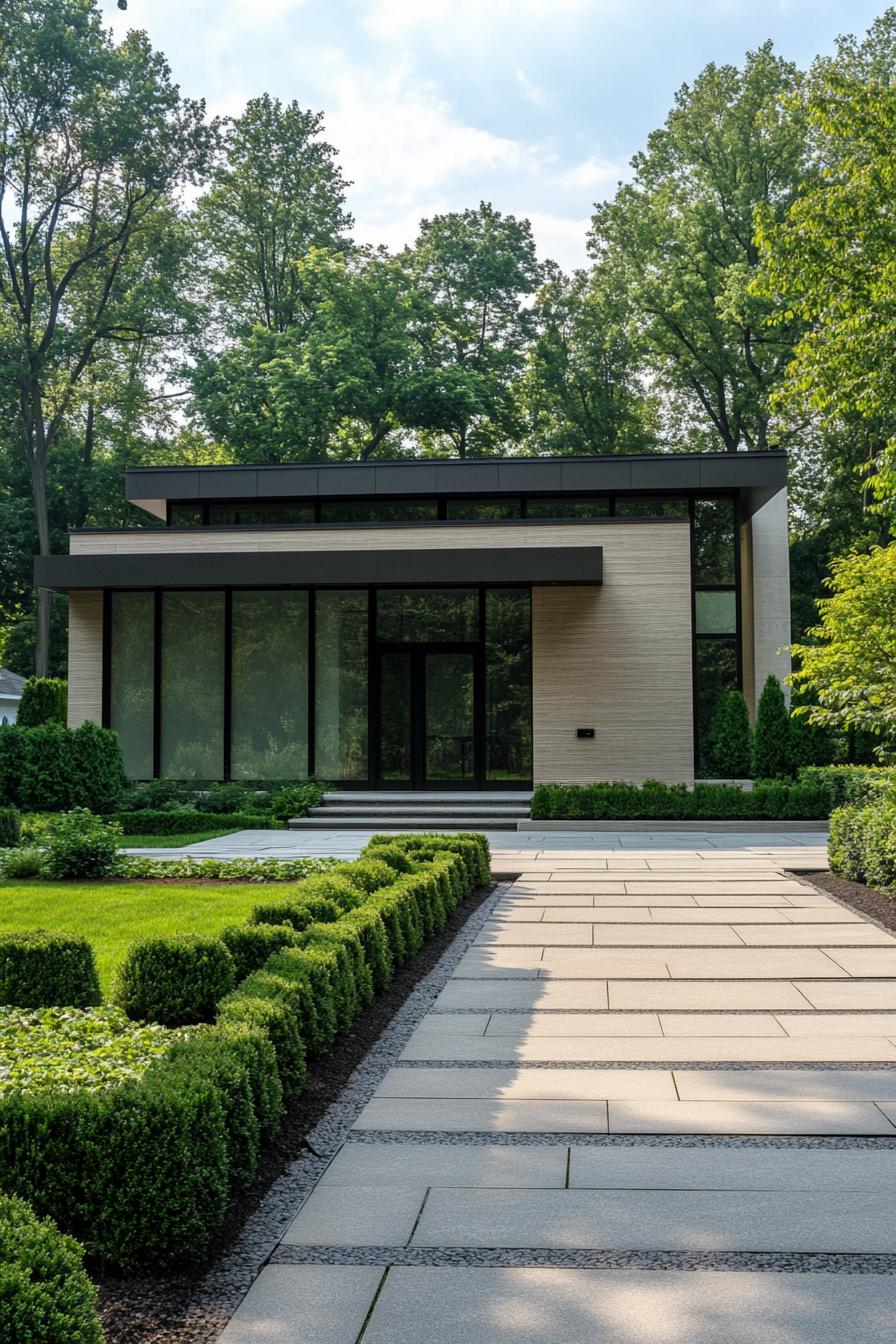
(575, 1139)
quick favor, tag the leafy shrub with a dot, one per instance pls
(294, 800)
(299, 912)
(44, 700)
(225, 798)
(849, 784)
(19, 864)
(81, 845)
(263, 1004)
(35, 826)
(45, 1294)
(862, 844)
(472, 847)
(368, 923)
(50, 768)
(384, 849)
(75, 1048)
(242, 870)
(176, 980)
(730, 737)
(368, 874)
(771, 739)
(10, 827)
(184, 822)
(39, 970)
(250, 945)
(332, 886)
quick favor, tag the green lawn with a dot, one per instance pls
(113, 915)
(172, 841)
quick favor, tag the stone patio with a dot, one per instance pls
(654, 1102)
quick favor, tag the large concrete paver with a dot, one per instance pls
(592, 1306)
(435, 1164)
(639, 1167)
(314, 1304)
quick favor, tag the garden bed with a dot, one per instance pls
(866, 900)
(166, 1309)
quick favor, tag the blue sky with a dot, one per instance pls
(535, 105)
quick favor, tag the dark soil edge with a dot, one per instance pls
(865, 900)
(164, 1309)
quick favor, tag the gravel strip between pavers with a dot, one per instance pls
(785, 1066)
(574, 1138)
(769, 1262)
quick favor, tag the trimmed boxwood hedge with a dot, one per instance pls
(53, 769)
(144, 1173)
(45, 1294)
(862, 844)
(655, 801)
(47, 970)
(186, 821)
(176, 981)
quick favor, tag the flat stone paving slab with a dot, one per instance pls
(591, 1306)
(450, 1115)
(305, 1304)
(543, 1084)
(748, 1117)
(425, 1164)
(728, 1048)
(786, 1084)
(639, 1167)
(734, 995)
(673, 1220)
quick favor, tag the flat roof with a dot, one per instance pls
(756, 476)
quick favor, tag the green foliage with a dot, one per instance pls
(250, 945)
(243, 870)
(656, 801)
(44, 700)
(332, 886)
(46, 1296)
(53, 769)
(74, 1049)
(43, 969)
(186, 823)
(175, 981)
(848, 784)
(298, 912)
(81, 845)
(862, 844)
(771, 738)
(17, 864)
(368, 874)
(294, 800)
(10, 827)
(851, 669)
(731, 737)
(389, 851)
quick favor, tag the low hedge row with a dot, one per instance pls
(47, 970)
(45, 1294)
(655, 801)
(862, 844)
(186, 821)
(144, 1173)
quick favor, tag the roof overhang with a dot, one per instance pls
(755, 476)
(535, 565)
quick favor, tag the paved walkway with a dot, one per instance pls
(654, 1104)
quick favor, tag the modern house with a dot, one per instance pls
(430, 624)
(10, 694)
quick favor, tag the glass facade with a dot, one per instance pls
(508, 685)
(191, 732)
(341, 685)
(716, 661)
(421, 616)
(131, 683)
(269, 685)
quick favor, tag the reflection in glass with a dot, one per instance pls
(341, 685)
(449, 750)
(715, 540)
(716, 612)
(508, 684)
(131, 679)
(487, 509)
(192, 713)
(651, 506)
(716, 674)
(269, 686)
(395, 717)
(380, 511)
(185, 515)
(274, 515)
(421, 615)
(598, 506)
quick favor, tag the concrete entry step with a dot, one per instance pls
(418, 810)
(377, 821)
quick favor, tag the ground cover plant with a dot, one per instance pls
(144, 1170)
(69, 1049)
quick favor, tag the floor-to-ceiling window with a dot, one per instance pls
(131, 679)
(508, 685)
(341, 730)
(269, 685)
(191, 710)
(716, 660)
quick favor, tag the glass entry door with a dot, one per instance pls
(427, 714)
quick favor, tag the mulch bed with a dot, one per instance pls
(864, 899)
(158, 1310)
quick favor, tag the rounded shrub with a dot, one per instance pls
(368, 874)
(44, 700)
(20, 864)
(250, 945)
(384, 848)
(10, 827)
(81, 845)
(45, 1294)
(176, 981)
(332, 886)
(47, 970)
(299, 913)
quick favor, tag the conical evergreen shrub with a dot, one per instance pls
(772, 758)
(731, 744)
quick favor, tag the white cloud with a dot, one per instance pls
(594, 174)
(532, 91)
(445, 21)
(560, 238)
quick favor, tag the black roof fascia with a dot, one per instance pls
(498, 565)
(758, 476)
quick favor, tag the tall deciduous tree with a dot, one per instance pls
(276, 193)
(474, 272)
(681, 234)
(582, 390)
(828, 263)
(93, 139)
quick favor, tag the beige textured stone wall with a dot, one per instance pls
(85, 657)
(617, 659)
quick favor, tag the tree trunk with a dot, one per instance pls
(38, 463)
